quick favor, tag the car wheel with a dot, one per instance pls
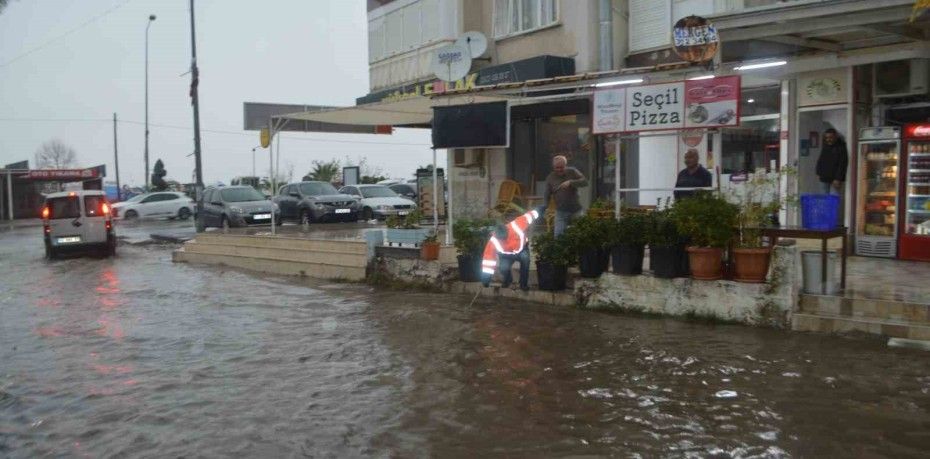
(367, 214)
(184, 213)
(306, 217)
(131, 215)
(224, 223)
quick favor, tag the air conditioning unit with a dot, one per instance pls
(468, 157)
(901, 78)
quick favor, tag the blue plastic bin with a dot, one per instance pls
(819, 211)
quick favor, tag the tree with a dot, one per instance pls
(158, 176)
(55, 154)
(326, 171)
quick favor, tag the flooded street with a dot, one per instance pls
(137, 356)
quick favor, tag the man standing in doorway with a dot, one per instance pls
(693, 175)
(563, 183)
(832, 163)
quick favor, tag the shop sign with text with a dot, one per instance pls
(667, 106)
(62, 174)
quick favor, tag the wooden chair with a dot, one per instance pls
(510, 202)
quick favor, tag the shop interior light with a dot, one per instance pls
(751, 101)
(702, 77)
(760, 65)
(617, 82)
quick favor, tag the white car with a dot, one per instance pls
(162, 204)
(77, 220)
(379, 201)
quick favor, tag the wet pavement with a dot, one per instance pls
(136, 356)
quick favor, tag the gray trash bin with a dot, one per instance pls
(811, 261)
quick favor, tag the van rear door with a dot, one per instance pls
(64, 212)
(95, 219)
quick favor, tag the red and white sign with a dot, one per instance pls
(918, 130)
(713, 102)
(692, 104)
(62, 174)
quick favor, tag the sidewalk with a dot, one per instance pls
(6, 225)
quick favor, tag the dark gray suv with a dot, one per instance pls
(228, 206)
(308, 202)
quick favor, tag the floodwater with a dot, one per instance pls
(136, 356)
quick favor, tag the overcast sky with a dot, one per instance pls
(297, 51)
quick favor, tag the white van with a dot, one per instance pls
(77, 220)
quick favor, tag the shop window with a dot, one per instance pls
(755, 143)
(512, 17)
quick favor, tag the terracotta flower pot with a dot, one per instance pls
(706, 262)
(752, 265)
(429, 251)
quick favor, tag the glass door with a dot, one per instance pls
(917, 218)
(878, 176)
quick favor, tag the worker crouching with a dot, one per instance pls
(507, 245)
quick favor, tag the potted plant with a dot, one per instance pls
(470, 238)
(601, 208)
(627, 240)
(667, 255)
(553, 257)
(758, 199)
(429, 247)
(405, 230)
(709, 221)
(588, 236)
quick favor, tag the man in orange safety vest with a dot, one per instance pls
(507, 245)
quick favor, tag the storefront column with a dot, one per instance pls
(787, 154)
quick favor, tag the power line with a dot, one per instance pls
(81, 26)
(212, 131)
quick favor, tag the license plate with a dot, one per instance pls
(66, 240)
(343, 211)
(261, 216)
(402, 213)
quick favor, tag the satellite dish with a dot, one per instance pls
(476, 43)
(451, 63)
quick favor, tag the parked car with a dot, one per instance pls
(164, 204)
(77, 220)
(407, 190)
(230, 206)
(379, 201)
(313, 201)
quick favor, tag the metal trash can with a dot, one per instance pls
(811, 261)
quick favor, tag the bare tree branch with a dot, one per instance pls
(55, 154)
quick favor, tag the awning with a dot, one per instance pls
(412, 111)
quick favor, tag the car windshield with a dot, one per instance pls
(317, 189)
(243, 194)
(377, 192)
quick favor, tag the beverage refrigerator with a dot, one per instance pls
(878, 203)
(914, 214)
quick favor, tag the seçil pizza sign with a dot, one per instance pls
(692, 104)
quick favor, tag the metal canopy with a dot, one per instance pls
(413, 111)
(820, 26)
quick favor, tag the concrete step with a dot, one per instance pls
(297, 255)
(839, 324)
(864, 308)
(264, 265)
(319, 245)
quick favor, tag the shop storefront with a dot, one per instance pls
(24, 189)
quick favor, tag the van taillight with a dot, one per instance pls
(105, 209)
(45, 212)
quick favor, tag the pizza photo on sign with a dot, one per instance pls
(695, 39)
(713, 102)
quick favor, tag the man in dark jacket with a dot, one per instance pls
(692, 176)
(832, 163)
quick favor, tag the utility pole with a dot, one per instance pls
(147, 24)
(195, 81)
(119, 190)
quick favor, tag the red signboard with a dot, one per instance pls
(62, 174)
(713, 102)
(917, 130)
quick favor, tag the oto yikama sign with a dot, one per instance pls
(668, 106)
(62, 174)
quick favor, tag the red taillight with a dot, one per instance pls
(104, 208)
(45, 212)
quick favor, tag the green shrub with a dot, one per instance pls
(588, 232)
(472, 235)
(661, 229)
(556, 251)
(707, 219)
(631, 229)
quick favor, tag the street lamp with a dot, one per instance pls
(147, 24)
